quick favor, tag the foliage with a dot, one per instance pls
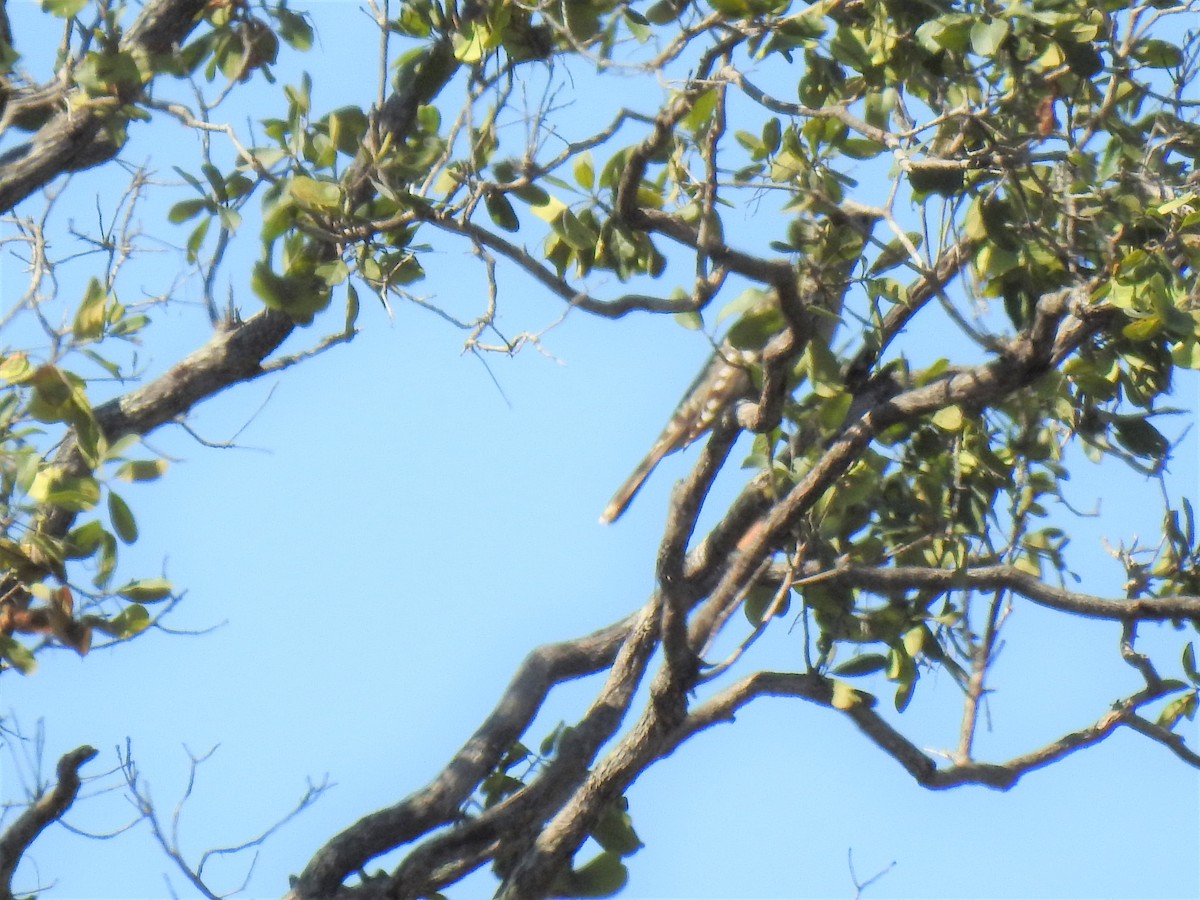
(1016, 179)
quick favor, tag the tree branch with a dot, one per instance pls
(439, 802)
(75, 138)
(46, 809)
(1007, 577)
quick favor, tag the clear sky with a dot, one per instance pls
(394, 532)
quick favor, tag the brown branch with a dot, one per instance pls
(1169, 739)
(439, 802)
(518, 821)
(77, 137)
(678, 591)
(550, 855)
(48, 808)
(1001, 776)
(560, 287)
(228, 358)
(948, 265)
(1007, 577)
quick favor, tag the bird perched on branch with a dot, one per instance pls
(727, 377)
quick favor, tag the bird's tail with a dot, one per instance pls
(627, 491)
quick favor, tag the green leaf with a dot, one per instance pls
(917, 639)
(130, 621)
(585, 171)
(904, 695)
(16, 368)
(865, 664)
(17, 654)
(333, 273)
(300, 296)
(74, 493)
(107, 560)
(664, 11)
(771, 134)
(1189, 663)
(861, 148)
(122, 518)
(1157, 54)
(83, 541)
(346, 129)
(293, 28)
(501, 211)
(988, 36)
(313, 194)
(142, 469)
(949, 418)
(758, 600)
(109, 74)
(1180, 708)
(146, 590)
(186, 209)
(614, 832)
(52, 385)
(64, 9)
(1142, 329)
(701, 112)
(91, 315)
(196, 239)
(352, 308)
(575, 232)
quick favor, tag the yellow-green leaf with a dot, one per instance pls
(585, 171)
(949, 418)
(91, 315)
(844, 696)
(315, 194)
(146, 590)
(17, 654)
(142, 469)
(16, 368)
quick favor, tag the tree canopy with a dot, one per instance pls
(943, 255)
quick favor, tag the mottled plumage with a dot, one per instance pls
(725, 378)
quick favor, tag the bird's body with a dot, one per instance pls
(726, 377)
(724, 380)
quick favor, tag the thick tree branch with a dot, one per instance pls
(229, 357)
(439, 802)
(517, 821)
(48, 808)
(77, 138)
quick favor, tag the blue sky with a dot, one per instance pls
(392, 535)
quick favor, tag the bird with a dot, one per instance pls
(726, 377)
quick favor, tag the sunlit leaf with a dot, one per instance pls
(146, 590)
(314, 194)
(130, 621)
(64, 9)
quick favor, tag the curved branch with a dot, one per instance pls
(923, 768)
(48, 808)
(438, 803)
(517, 823)
(1007, 577)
